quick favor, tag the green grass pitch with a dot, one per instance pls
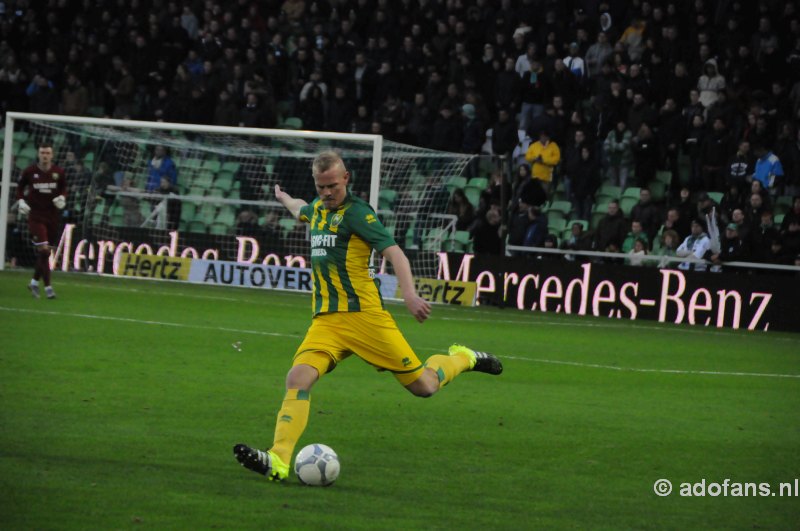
(121, 400)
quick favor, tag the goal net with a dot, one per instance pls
(221, 204)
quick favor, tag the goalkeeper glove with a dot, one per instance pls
(60, 202)
(23, 207)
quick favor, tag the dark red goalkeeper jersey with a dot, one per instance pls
(39, 188)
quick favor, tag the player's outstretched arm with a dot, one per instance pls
(292, 205)
(419, 307)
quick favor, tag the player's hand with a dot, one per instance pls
(280, 195)
(419, 308)
(60, 202)
(23, 207)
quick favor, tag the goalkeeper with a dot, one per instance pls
(349, 315)
(41, 195)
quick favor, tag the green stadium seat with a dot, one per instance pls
(206, 213)
(386, 199)
(197, 227)
(479, 183)
(629, 198)
(556, 226)
(204, 179)
(607, 192)
(598, 212)
(287, 225)
(455, 182)
(664, 176)
(293, 122)
(473, 195)
(219, 229)
(657, 189)
(387, 217)
(224, 182)
(783, 204)
(558, 210)
(226, 216)
(211, 165)
(20, 137)
(190, 164)
(188, 210)
(462, 241)
(231, 166)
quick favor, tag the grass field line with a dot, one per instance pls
(146, 322)
(518, 358)
(661, 371)
(628, 325)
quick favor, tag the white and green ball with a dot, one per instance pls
(317, 465)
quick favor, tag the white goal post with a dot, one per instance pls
(222, 199)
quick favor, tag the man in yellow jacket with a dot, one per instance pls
(544, 156)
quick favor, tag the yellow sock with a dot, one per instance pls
(292, 420)
(447, 367)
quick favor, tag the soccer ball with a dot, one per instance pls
(317, 465)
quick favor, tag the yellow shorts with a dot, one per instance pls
(372, 336)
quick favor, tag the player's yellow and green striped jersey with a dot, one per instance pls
(341, 243)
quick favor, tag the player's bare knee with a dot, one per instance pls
(424, 386)
(302, 377)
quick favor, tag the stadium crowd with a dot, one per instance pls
(694, 105)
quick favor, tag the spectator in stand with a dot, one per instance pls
(585, 181)
(768, 170)
(74, 97)
(535, 93)
(732, 248)
(447, 130)
(536, 230)
(578, 240)
(762, 237)
(543, 155)
(226, 111)
(645, 155)
(504, 134)
(637, 253)
(695, 245)
(740, 167)
(487, 235)
(675, 222)
(461, 207)
(619, 154)
(42, 96)
(710, 83)
(670, 138)
(791, 236)
(793, 216)
(597, 54)
(610, 230)
(693, 147)
(647, 213)
(669, 244)
(636, 233)
(160, 167)
(714, 154)
(508, 87)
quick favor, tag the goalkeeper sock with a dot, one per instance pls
(43, 268)
(292, 420)
(447, 367)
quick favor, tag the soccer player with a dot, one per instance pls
(349, 315)
(41, 195)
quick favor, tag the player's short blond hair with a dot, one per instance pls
(325, 161)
